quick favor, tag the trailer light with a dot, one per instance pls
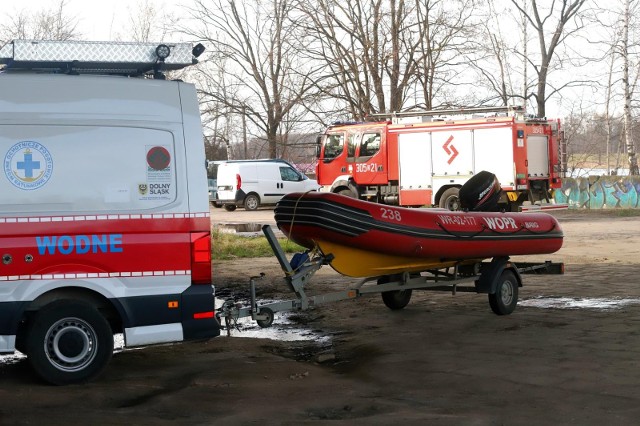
(203, 315)
(172, 304)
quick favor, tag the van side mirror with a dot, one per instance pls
(318, 151)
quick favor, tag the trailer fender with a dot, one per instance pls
(488, 281)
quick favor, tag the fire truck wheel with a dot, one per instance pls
(450, 199)
(348, 193)
(251, 202)
(69, 342)
(229, 207)
(505, 299)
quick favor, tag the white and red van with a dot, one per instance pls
(104, 212)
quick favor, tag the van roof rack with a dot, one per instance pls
(98, 57)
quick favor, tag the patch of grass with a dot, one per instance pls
(225, 246)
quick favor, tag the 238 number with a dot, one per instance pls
(390, 214)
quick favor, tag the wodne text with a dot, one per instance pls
(80, 244)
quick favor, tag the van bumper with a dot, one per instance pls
(238, 200)
(198, 312)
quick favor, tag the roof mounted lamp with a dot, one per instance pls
(162, 52)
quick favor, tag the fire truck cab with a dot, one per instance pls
(423, 160)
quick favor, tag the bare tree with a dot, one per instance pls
(55, 23)
(148, 22)
(627, 89)
(563, 16)
(258, 44)
(387, 55)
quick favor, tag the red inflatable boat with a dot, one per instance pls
(368, 239)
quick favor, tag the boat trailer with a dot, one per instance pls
(499, 278)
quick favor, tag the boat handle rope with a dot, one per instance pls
(495, 231)
(461, 236)
(315, 249)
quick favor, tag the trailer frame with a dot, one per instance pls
(480, 277)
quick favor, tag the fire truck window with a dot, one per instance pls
(333, 146)
(351, 145)
(370, 144)
(288, 174)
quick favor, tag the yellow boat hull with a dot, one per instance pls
(355, 262)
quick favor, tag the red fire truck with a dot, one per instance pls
(418, 159)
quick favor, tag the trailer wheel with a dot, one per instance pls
(229, 207)
(266, 322)
(251, 202)
(69, 342)
(395, 299)
(505, 299)
(450, 199)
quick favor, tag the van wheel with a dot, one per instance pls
(450, 199)
(69, 342)
(251, 202)
(229, 207)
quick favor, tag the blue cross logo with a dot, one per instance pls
(28, 165)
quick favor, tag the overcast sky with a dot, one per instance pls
(97, 20)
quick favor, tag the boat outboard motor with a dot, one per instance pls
(481, 193)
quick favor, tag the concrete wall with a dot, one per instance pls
(597, 192)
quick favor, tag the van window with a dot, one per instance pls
(370, 144)
(288, 174)
(86, 169)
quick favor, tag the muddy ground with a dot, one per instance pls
(569, 354)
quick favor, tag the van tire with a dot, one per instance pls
(229, 207)
(69, 342)
(251, 202)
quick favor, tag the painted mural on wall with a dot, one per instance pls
(598, 192)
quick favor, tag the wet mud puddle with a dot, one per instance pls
(579, 303)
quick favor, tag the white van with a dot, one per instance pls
(252, 183)
(104, 214)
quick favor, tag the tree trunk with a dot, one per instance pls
(631, 153)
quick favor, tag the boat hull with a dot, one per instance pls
(369, 239)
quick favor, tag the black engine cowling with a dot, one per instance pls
(481, 193)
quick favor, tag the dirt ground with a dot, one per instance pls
(443, 360)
